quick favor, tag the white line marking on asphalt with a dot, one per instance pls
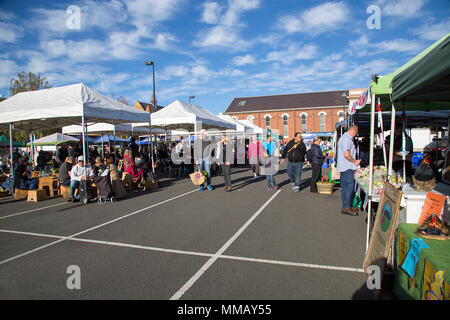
(190, 253)
(213, 259)
(93, 228)
(32, 210)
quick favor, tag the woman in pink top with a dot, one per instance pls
(254, 155)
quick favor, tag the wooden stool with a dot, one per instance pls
(20, 194)
(36, 195)
(50, 183)
(64, 191)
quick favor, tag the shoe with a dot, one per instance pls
(70, 200)
(275, 188)
(269, 189)
(202, 188)
(349, 211)
(314, 191)
(210, 188)
(255, 175)
(355, 209)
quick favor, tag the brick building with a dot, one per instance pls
(290, 113)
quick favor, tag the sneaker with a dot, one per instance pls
(255, 175)
(70, 200)
(275, 188)
(210, 188)
(202, 188)
(269, 188)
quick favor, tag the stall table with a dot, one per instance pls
(437, 256)
(49, 182)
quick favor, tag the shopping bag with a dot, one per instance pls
(197, 178)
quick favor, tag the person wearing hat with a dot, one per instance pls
(78, 173)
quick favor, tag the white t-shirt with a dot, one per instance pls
(78, 172)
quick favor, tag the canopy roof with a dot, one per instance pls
(255, 128)
(107, 138)
(240, 126)
(181, 115)
(427, 79)
(54, 140)
(61, 106)
(435, 118)
(122, 128)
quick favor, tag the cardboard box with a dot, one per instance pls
(37, 195)
(20, 194)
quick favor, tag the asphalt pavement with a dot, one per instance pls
(181, 243)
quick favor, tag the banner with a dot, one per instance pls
(361, 102)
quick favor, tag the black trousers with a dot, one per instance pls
(226, 175)
(316, 173)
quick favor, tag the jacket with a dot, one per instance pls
(296, 154)
(317, 155)
(255, 150)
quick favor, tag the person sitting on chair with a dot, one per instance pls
(78, 173)
(64, 172)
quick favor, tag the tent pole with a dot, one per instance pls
(372, 137)
(404, 140)
(84, 142)
(391, 142)
(11, 177)
(103, 153)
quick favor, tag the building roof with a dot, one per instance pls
(288, 101)
(147, 106)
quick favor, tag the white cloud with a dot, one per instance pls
(211, 12)
(363, 46)
(319, 19)
(433, 32)
(226, 32)
(244, 60)
(151, 11)
(404, 8)
(9, 68)
(9, 32)
(163, 41)
(293, 53)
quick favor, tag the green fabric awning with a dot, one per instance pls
(5, 141)
(428, 79)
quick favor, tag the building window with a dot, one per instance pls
(304, 122)
(234, 118)
(322, 122)
(251, 118)
(285, 125)
(242, 103)
(267, 122)
(341, 116)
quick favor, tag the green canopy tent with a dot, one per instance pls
(428, 80)
(4, 140)
(381, 87)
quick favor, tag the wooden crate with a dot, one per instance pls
(37, 195)
(20, 194)
(4, 194)
(64, 191)
(35, 174)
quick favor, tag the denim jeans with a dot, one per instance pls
(74, 185)
(294, 171)
(270, 181)
(204, 164)
(347, 181)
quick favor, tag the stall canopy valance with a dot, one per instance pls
(427, 79)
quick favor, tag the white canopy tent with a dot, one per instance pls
(240, 127)
(256, 129)
(181, 115)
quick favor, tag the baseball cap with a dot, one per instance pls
(81, 158)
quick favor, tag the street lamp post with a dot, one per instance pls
(151, 63)
(191, 97)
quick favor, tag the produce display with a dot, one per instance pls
(379, 178)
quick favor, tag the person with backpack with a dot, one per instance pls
(295, 153)
(316, 159)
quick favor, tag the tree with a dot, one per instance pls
(28, 81)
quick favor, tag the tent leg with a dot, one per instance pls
(372, 138)
(85, 147)
(11, 183)
(391, 142)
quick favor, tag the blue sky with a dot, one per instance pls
(215, 50)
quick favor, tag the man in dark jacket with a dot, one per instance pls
(316, 163)
(295, 151)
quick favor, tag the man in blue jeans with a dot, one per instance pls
(202, 154)
(346, 165)
(295, 151)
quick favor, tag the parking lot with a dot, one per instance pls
(180, 243)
